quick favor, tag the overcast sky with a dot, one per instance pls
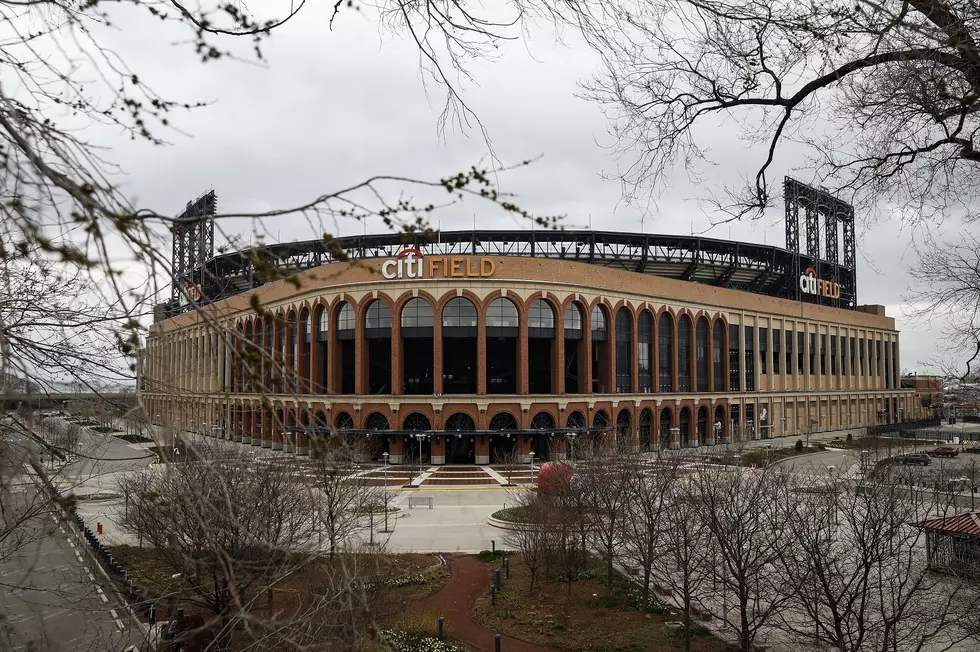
(331, 108)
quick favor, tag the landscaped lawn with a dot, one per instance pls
(592, 619)
(134, 439)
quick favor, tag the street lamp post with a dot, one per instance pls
(571, 443)
(531, 455)
(385, 456)
(421, 437)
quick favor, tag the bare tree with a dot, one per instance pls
(339, 497)
(684, 565)
(893, 87)
(228, 527)
(607, 481)
(509, 461)
(528, 534)
(744, 517)
(857, 574)
(644, 522)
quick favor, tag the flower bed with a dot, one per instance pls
(405, 642)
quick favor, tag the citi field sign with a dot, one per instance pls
(412, 263)
(810, 284)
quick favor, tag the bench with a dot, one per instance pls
(418, 501)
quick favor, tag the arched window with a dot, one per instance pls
(417, 313)
(600, 330)
(417, 421)
(346, 321)
(646, 419)
(459, 313)
(542, 421)
(343, 421)
(323, 323)
(503, 421)
(701, 346)
(378, 316)
(644, 350)
(460, 421)
(502, 313)
(376, 421)
(666, 346)
(541, 319)
(717, 353)
(624, 341)
(345, 339)
(573, 320)
(684, 354)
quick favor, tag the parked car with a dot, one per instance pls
(972, 449)
(943, 451)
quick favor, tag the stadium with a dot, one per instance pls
(465, 347)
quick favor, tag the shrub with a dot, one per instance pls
(799, 446)
(405, 580)
(850, 437)
(486, 556)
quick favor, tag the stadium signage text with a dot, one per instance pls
(411, 263)
(810, 284)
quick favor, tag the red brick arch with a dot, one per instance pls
(405, 297)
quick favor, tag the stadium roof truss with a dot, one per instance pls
(761, 269)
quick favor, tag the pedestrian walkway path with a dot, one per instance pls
(456, 600)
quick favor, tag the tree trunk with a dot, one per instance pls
(534, 572)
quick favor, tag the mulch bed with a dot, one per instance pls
(591, 618)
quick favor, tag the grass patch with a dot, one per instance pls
(135, 439)
(511, 514)
(590, 618)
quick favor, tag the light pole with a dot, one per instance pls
(531, 455)
(571, 443)
(420, 436)
(385, 456)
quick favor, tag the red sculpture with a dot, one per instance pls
(555, 477)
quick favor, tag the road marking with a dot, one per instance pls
(114, 614)
(102, 594)
(119, 624)
(90, 576)
(71, 543)
(62, 530)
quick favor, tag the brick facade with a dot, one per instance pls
(203, 367)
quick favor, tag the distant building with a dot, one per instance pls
(928, 389)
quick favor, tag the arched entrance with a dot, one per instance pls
(703, 436)
(377, 438)
(718, 427)
(418, 447)
(646, 423)
(502, 445)
(685, 424)
(541, 443)
(624, 433)
(665, 428)
(460, 448)
(576, 427)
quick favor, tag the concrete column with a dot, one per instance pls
(267, 426)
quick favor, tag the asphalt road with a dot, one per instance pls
(52, 595)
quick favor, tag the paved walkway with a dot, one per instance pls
(455, 601)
